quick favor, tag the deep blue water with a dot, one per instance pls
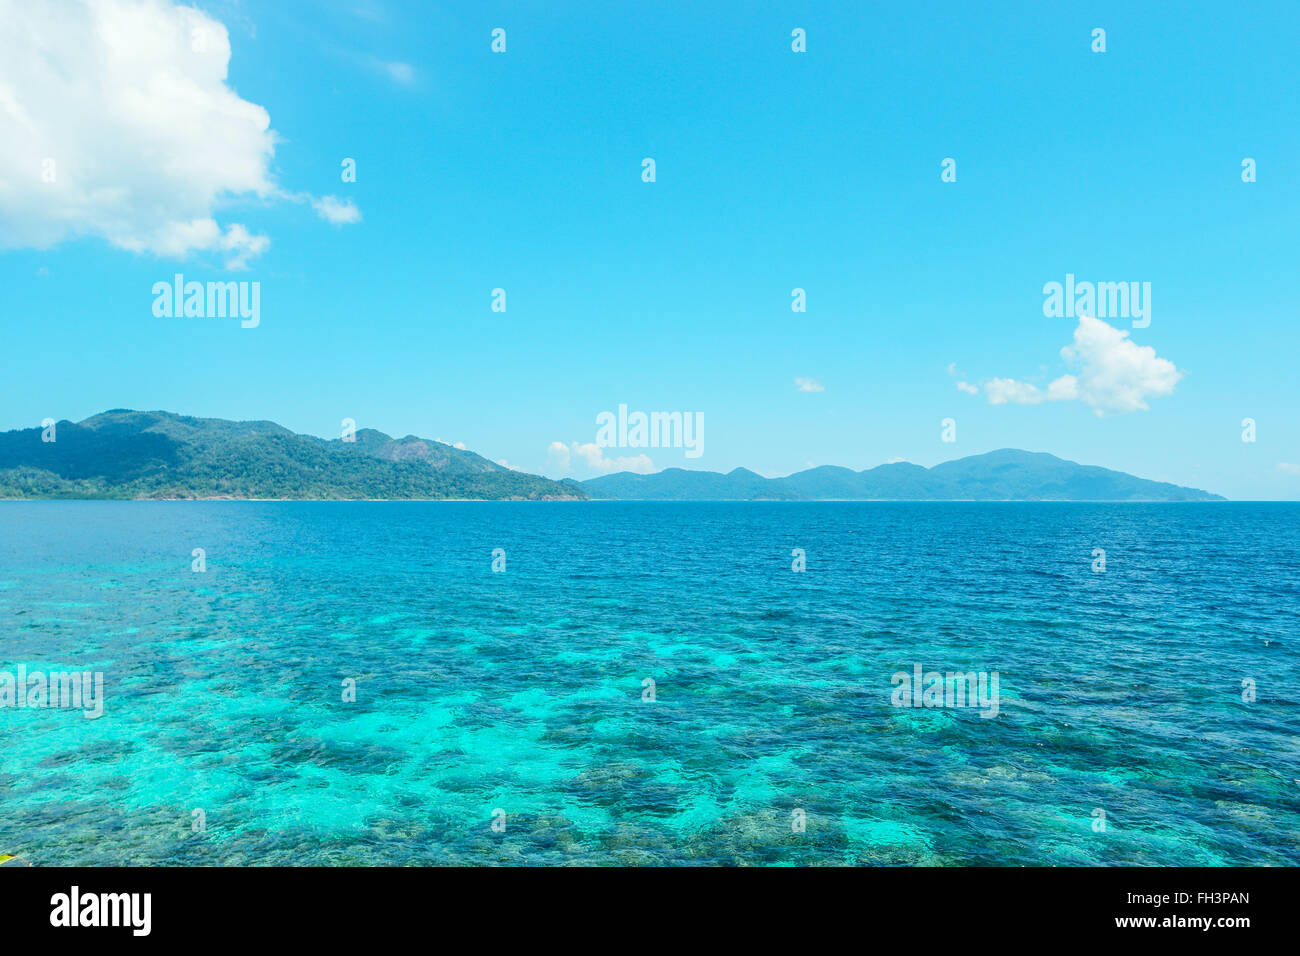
(522, 691)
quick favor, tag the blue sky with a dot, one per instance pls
(774, 170)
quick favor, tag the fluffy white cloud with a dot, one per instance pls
(1116, 375)
(560, 456)
(116, 122)
(809, 385)
(968, 388)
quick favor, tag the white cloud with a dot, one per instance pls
(594, 458)
(1116, 375)
(177, 239)
(809, 385)
(400, 73)
(1063, 389)
(962, 385)
(335, 210)
(1288, 468)
(1000, 391)
(116, 121)
(560, 458)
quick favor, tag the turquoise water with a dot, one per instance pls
(522, 691)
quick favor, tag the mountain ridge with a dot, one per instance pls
(123, 453)
(1005, 474)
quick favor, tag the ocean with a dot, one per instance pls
(352, 683)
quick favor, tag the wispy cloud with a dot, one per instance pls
(962, 385)
(400, 73)
(368, 10)
(809, 385)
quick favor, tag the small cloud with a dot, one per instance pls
(505, 464)
(370, 11)
(809, 385)
(335, 210)
(962, 385)
(1288, 468)
(560, 457)
(557, 456)
(330, 208)
(402, 74)
(594, 458)
(179, 239)
(1002, 391)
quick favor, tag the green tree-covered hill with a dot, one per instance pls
(130, 454)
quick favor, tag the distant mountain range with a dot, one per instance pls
(1004, 475)
(128, 454)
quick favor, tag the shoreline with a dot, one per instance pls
(770, 501)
